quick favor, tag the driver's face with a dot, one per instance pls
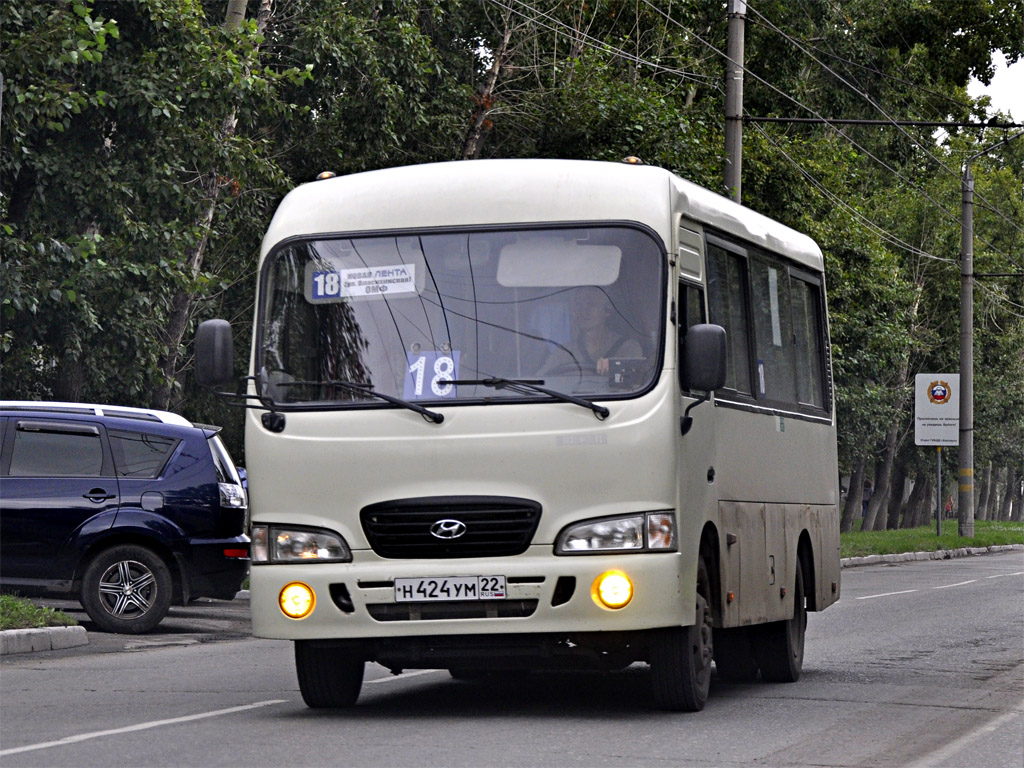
(589, 308)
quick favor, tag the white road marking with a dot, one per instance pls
(886, 594)
(138, 727)
(404, 674)
(944, 586)
(958, 584)
(943, 754)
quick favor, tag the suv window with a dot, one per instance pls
(41, 449)
(226, 472)
(140, 455)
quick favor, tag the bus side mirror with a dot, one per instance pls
(215, 354)
(703, 357)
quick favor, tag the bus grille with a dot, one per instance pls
(478, 609)
(490, 526)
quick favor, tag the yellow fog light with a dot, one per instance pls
(612, 589)
(297, 600)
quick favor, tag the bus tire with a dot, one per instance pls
(329, 677)
(780, 652)
(680, 657)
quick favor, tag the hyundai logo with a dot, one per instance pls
(448, 529)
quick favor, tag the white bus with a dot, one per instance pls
(495, 424)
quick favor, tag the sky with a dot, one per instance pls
(1006, 89)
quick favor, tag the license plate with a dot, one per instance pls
(449, 588)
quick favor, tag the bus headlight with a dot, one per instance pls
(281, 544)
(643, 532)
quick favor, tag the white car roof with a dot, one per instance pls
(147, 414)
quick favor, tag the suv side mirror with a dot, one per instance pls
(703, 357)
(215, 354)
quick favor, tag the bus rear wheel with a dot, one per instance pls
(329, 676)
(680, 657)
(780, 652)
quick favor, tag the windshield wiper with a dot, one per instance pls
(364, 389)
(525, 386)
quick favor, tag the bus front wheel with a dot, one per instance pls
(680, 657)
(329, 676)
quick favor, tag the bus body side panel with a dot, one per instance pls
(759, 567)
(775, 480)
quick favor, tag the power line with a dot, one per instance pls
(884, 234)
(950, 214)
(870, 225)
(785, 95)
(599, 45)
(889, 119)
(853, 121)
(595, 43)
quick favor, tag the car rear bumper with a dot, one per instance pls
(217, 567)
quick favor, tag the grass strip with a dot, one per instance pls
(19, 613)
(987, 533)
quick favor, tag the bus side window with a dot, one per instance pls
(773, 330)
(690, 312)
(691, 305)
(807, 321)
(727, 278)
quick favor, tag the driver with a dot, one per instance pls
(594, 342)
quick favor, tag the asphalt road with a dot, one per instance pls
(919, 664)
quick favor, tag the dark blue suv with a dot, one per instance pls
(126, 509)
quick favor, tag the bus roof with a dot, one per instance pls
(503, 192)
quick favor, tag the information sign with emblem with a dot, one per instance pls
(937, 409)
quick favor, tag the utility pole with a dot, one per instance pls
(734, 99)
(965, 495)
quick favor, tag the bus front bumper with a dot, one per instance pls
(544, 594)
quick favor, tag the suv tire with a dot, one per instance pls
(127, 589)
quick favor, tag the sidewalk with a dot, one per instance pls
(59, 638)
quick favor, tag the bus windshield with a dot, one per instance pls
(460, 317)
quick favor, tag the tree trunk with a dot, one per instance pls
(213, 185)
(913, 509)
(1018, 503)
(1010, 495)
(899, 481)
(872, 520)
(928, 504)
(986, 490)
(20, 194)
(480, 123)
(68, 386)
(996, 499)
(853, 497)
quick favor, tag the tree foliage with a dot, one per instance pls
(138, 135)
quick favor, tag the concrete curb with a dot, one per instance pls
(41, 639)
(57, 638)
(941, 554)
